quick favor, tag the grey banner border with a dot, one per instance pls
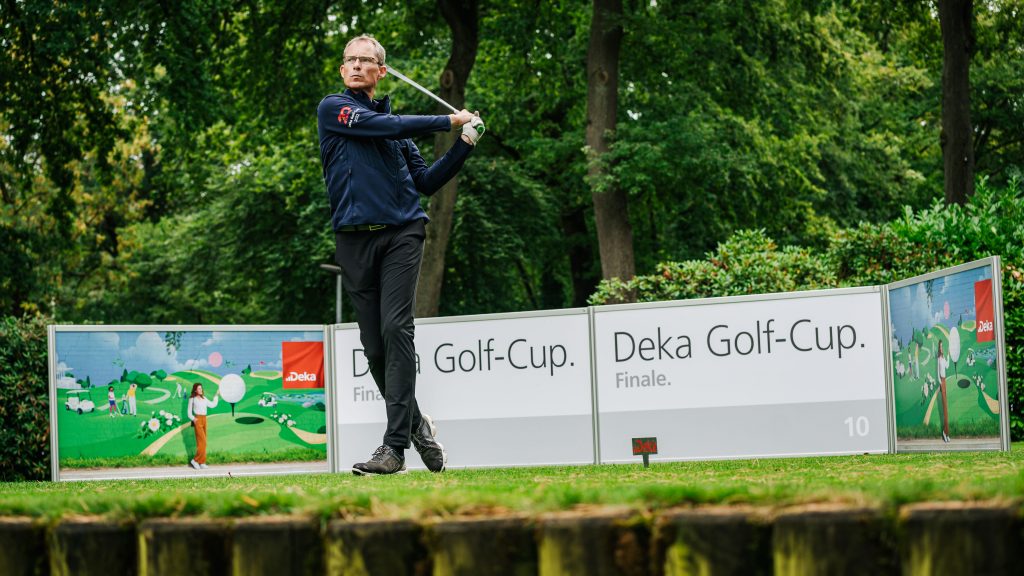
(1004, 386)
(890, 383)
(596, 411)
(51, 347)
(332, 416)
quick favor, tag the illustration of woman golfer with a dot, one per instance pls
(941, 364)
(197, 406)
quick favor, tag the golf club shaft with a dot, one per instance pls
(421, 88)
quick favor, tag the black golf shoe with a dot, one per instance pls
(431, 451)
(384, 461)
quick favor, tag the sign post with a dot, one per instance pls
(646, 447)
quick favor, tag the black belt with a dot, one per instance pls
(363, 228)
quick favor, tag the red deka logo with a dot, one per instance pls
(302, 364)
(983, 311)
(343, 116)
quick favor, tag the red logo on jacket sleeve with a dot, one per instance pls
(343, 116)
(302, 364)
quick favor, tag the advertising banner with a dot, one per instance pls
(128, 402)
(774, 375)
(948, 378)
(503, 390)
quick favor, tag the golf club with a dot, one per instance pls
(421, 88)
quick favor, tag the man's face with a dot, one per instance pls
(359, 68)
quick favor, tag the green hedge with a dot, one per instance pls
(991, 223)
(24, 400)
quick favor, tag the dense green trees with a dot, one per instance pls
(160, 164)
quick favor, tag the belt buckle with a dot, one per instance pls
(377, 227)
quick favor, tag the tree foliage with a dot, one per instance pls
(159, 163)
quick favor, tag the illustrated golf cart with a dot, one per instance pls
(79, 403)
(268, 399)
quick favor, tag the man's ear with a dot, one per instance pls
(383, 70)
(341, 71)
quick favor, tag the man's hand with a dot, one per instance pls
(472, 132)
(462, 118)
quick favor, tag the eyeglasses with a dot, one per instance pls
(360, 59)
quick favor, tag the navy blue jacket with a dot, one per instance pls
(373, 170)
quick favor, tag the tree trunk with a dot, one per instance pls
(463, 19)
(955, 19)
(614, 233)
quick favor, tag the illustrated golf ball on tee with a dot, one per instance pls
(232, 388)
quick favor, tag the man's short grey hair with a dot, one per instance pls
(378, 50)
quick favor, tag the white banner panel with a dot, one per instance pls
(503, 390)
(776, 375)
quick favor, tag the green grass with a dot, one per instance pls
(884, 480)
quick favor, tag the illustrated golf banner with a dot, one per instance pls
(775, 375)
(119, 400)
(502, 389)
(948, 374)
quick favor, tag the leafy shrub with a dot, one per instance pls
(747, 263)
(991, 223)
(24, 399)
(1013, 314)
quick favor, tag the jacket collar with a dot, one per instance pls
(381, 105)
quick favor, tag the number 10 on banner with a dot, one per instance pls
(860, 425)
(646, 447)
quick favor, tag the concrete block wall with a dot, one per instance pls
(920, 539)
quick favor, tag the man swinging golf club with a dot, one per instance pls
(374, 175)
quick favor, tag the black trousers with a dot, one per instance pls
(379, 270)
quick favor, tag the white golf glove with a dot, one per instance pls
(474, 130)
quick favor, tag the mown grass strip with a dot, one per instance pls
(878, 480)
